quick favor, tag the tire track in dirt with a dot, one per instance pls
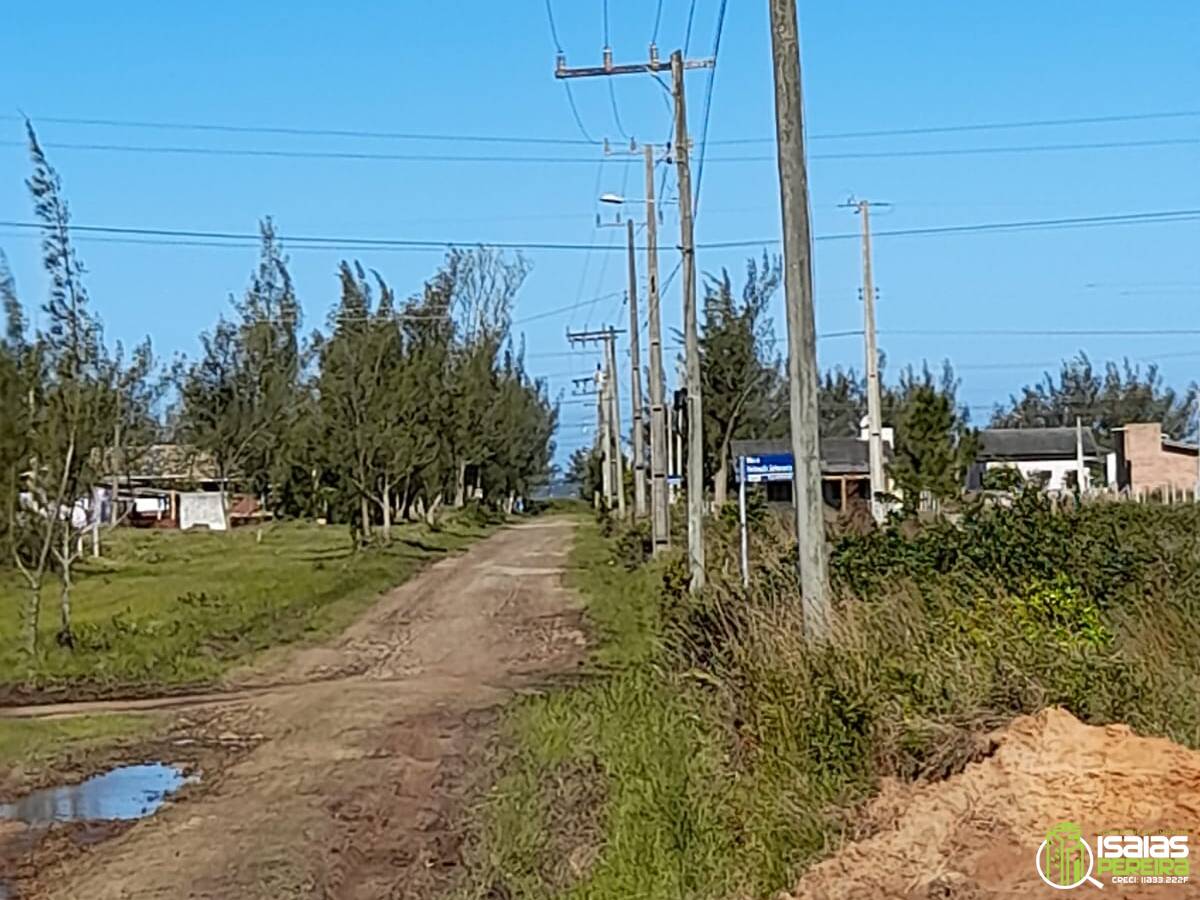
(361, 783)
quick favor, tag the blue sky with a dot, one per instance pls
(485, 68)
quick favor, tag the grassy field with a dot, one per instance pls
(170, 608)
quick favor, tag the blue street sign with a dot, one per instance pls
(770, 467)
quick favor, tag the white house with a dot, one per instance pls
(1048, 454)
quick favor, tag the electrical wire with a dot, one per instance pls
(587, 261)
(657, 22)
(981, 126)
(335, 242)
(275, 153)
(562, 309)
(708, 96)
(365, 134)
(616, 111)
(612, 238)
(566, 84)
(290, 131)
(310, 154)
(687, 37)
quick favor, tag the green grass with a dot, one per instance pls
(169, 608)
(31, 743)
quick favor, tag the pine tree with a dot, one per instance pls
(739, 370)
(934, 445)
(1117, 395)
(67, 427)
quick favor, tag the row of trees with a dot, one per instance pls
(396, 408)
(745, 396)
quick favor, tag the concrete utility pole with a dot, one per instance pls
(691, 333)
(635, 385)
(116, 478)
(661, 523)
(874, 402)
(802, 341)
(614, 422)
(658, 425)
(1080, 466)
(610, 419)
(593, 386)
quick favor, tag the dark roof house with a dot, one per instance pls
(1014, 444)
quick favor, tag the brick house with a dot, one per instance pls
(1146, 462)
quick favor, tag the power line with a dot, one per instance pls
(1005, 332)
(657, 22)
(570, 97)
(1039, 332)
(687, 37)
(337, 242)
(292, 131)
(977, 151)
(365, 156)
(708, 95)
(366, 134)
(562, 309)
(1185, 215)
(612, 237)
(587, 260)
(983, 126)
(270, 152)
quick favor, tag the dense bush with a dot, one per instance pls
(945, 631)
(1104, 548)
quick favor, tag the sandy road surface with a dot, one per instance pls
(370, 746)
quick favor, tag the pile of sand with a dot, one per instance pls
(975, 835)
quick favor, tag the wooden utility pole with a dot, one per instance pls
(874, 401)
(802, 341)
(635, 385)
(660, 514)
(691, 333)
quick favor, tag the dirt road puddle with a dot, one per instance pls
(127, 792)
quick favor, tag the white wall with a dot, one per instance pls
(202, 510)
(1058, 469)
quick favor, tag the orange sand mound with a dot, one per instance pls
(975, 835)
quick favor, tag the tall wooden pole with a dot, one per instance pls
(802, 341)
(635, 385)
(659, 509)
(691, 330)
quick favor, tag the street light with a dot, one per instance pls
(618, 200)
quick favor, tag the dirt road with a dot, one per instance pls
(366, 755)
